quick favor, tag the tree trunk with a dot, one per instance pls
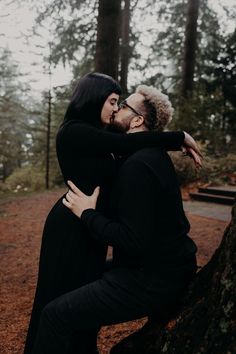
(207, 321)
(108, 31)
(190, 46)
(48, 139)
(125, 48)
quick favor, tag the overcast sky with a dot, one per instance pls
(16, 20)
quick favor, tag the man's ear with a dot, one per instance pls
(136, 122)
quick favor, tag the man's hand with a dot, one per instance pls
(77, 201)
(191, 149)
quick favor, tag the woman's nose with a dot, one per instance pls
(115, 108)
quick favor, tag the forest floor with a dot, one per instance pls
(21, 223)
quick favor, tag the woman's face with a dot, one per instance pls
(109, 108)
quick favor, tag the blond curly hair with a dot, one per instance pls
(157, 106)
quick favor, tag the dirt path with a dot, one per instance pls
(21, 223)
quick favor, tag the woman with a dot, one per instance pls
(69, 257)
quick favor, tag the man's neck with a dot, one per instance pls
(137, 130)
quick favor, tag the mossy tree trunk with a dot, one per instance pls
(207, 321)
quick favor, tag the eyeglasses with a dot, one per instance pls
(124, 104)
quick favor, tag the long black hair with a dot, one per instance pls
(89, 96)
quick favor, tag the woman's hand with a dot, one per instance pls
(77, 201)
(191, 149)
(187, 151)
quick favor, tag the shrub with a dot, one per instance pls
(25, 179)
(215, 170)
(3, 188)
(184, 166)
(221, 170)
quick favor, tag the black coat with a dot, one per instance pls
(70, 257)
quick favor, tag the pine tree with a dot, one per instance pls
(13, 116)
(190, 46)
(108, 34)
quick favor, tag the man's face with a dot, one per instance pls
(127, 111)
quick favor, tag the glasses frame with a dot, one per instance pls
(125, 104)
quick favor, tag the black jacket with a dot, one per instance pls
(149, 227)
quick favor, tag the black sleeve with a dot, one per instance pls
(136, 222)
(83, 137)
(110, 232)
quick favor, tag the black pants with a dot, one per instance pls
(121, 295)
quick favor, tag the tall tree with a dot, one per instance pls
(13, 116)
(125, 51)
(43, 129)
(108, 34)
(74, 33)
(87, 36)
(190, 46)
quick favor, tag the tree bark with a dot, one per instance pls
(206, 323)
(190, 46)
(125, 48)
(108, 33)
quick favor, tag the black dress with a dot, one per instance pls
(69, 256)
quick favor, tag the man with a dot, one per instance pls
(153, 258)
